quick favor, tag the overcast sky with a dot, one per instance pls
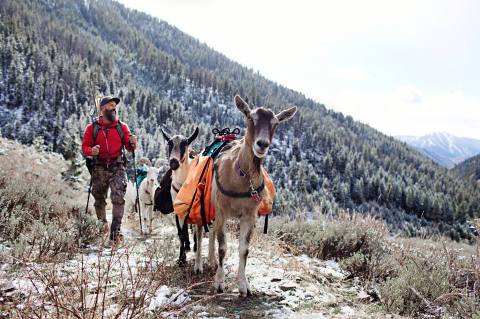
(403, 67)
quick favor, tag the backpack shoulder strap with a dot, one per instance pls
(96, 128)
(120, 130)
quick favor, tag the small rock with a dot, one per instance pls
(362, 295)
(374, 294)
(6, 286)
(308, 296)
(288, 287)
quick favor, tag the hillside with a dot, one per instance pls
(322, 161)
(469, 168)
(445, 149)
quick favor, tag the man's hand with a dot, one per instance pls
(133, 142)
(95, 150)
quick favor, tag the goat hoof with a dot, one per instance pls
(219, 287)
(249, 293)
(181, 262)
(198, 268)
(244, 293)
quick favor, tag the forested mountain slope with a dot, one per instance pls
(470, 168)
(321, 161)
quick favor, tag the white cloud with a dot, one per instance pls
(408, 67)
(409, 94)
(451, 112)
(355, 73)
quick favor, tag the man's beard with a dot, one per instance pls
(110, 115)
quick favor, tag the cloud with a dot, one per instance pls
(453, 111)
(409, 94)
(391, 65)
(354, 73)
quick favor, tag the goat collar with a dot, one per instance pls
(151, 202)
(252, 193)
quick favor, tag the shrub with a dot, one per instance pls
(415, 280)
(359, 242)
(39, 213)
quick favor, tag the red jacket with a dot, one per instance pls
(108, 139)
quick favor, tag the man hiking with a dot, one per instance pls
(104, 140)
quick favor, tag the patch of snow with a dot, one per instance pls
(164, 297)
(346, 310)
(160, 298)
(28, 286)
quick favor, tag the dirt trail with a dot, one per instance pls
(283, 285)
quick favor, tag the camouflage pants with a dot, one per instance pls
(115, 178)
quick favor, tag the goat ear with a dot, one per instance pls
(193, 136)
(165, 135)
(242, 105)
(287, 114)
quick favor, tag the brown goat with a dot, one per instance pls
(238, 186)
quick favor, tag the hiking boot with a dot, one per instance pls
(117, 240)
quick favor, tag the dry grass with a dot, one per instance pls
(40, 215)
(422, 278)
(360, 243)
(115, 283)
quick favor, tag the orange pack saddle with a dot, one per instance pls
(193, 202)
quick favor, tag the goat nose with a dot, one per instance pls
(174, 164)
(263, 144)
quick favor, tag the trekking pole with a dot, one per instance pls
(89, 193)
(92, 163)
(137, 201)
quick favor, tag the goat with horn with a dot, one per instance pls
(178, 152)
(239, 184)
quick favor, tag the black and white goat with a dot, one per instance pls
(178, 152)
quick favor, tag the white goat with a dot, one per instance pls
(146, 193)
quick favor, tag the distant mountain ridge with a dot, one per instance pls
(444, 148)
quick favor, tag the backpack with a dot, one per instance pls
(162, 200)
(90, 161)
(141, 174)
(96, 128)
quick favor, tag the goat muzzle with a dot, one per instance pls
(174, 164)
